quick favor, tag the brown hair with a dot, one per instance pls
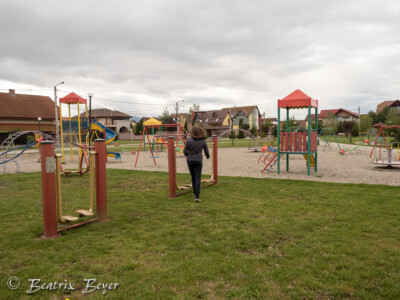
(197, 132)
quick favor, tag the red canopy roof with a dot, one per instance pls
(297, 99)
(73, 98)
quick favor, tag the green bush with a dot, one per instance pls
(240, 135)
(232, 135)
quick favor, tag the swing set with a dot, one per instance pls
(325, 135)
(157, 139)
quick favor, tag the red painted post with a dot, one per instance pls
(48, 167)
(172, 167)
(101, 183)
(215, 158)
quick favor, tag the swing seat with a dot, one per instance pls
(66, 219)
(84, 212)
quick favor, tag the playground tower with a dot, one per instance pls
(294, 141)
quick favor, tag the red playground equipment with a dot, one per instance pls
(173, 187)
(380, 143)
(179, 137)
(303, 142)
(51, 189)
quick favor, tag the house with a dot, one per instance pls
(112, 119)
(249, 115)
(20, 112)
(394, 104)
(329, 116)
(213, 121)
(273, 121)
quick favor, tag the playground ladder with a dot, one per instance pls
(271, 162)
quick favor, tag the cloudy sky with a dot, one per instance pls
(142, 56)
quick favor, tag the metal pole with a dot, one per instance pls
(56, 111)
(48, 168)
(90, 113)
(288, 131)
(309, 141)
(278, 131)
(101, 182)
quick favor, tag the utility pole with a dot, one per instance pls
(177, 110)
(90, 114)
(359, 110)
(56, 111)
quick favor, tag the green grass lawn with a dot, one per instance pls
(248, 238)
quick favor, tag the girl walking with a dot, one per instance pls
(193, 151)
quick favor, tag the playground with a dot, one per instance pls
(254, 235)
(332, 166)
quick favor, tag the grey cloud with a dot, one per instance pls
(165, 49)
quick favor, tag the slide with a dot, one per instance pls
(312, 160)
(110, 136)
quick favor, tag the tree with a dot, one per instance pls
(372, 115)
(348, 126)
(339, 128)
(355, 130)
(185, 127)
(195, 107)
(365, 123)
(264, 128)
(240, 135)
(139, 128)
(166, 117)
(232, 135)
(392, 118)
(382, 116)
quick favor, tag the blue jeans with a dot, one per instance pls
(195, 168)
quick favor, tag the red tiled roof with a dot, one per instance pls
(21, 106)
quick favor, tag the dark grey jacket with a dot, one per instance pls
(193, 149)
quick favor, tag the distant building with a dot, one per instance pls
(20, 112)
(273, 121)
(112, 119)
(336, 115)
(394, 104)
(213, 121)
(249, 115)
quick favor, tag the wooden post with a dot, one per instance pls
(101, 182)
(215, 158)
(48, 167)
(171, 167)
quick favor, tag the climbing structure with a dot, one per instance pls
(296, 141)
(382, 151)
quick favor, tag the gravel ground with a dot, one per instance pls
(332, 167)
